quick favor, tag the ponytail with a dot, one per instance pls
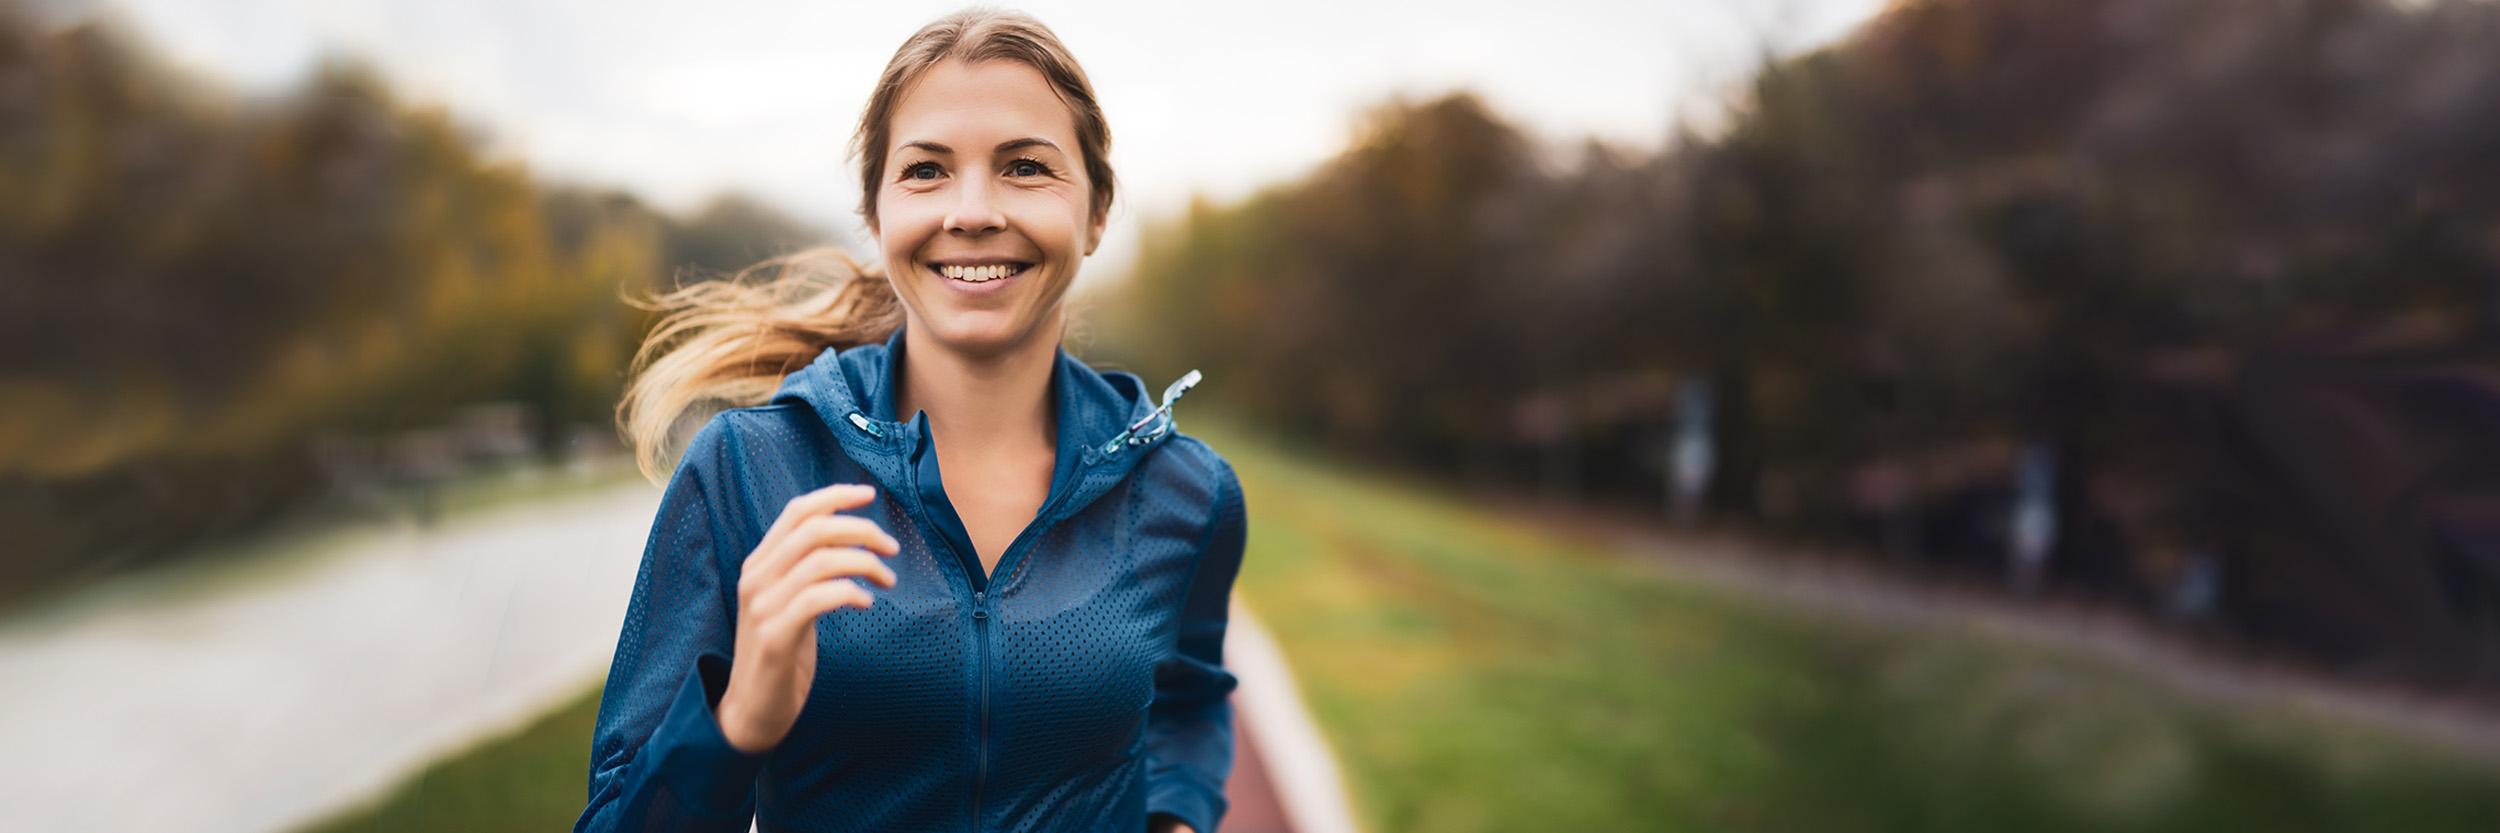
(727, 343)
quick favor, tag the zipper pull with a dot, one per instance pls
(1171, 396)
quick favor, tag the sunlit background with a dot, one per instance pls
(1737, 415)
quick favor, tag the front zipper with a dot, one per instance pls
(981, 630)
(980, 602)
(981, 635)
(980, 616)
(980, 627)
(981, 666)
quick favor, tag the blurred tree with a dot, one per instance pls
(196, 291)
(1971, 227)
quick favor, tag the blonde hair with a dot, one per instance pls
(729, 342)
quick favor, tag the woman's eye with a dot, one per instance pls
(1026, 167)
(915, 171)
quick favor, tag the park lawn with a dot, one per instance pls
(1476, 674)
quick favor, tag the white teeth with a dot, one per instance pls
(978, 274)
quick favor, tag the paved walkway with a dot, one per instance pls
(151, 706)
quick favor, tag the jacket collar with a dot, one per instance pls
(852, 392)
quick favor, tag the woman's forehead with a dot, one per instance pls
(972, 107)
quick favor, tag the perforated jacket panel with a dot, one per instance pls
(1081, 688)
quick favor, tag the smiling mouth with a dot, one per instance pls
(980, 274)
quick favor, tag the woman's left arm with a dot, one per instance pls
(1189, 728)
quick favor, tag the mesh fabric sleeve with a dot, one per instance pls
(1189, 731)
(658, 759)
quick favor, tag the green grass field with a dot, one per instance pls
(1475, 674)
(1478, 675)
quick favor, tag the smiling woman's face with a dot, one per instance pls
(983, 209)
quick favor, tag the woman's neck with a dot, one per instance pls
(991, 402)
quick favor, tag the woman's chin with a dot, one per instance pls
(982, 332)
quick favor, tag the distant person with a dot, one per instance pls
(931, 572)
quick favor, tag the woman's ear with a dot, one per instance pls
(1093, 233)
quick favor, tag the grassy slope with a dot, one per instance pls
(1476, 675)
(534, 779)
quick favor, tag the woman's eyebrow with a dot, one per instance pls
(1028, 141)
(1003, 147)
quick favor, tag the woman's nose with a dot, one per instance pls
(975, 211)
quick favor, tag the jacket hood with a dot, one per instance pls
(1106, 420)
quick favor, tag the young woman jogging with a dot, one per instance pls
(929, 572)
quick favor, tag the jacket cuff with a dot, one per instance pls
(692, 758)
(1196, 806)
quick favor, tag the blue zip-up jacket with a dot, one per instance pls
(1080, 688)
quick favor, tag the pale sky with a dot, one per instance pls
(678, 101)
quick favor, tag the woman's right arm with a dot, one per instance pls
(660, 758)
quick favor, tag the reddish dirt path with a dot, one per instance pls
(1254, 805)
